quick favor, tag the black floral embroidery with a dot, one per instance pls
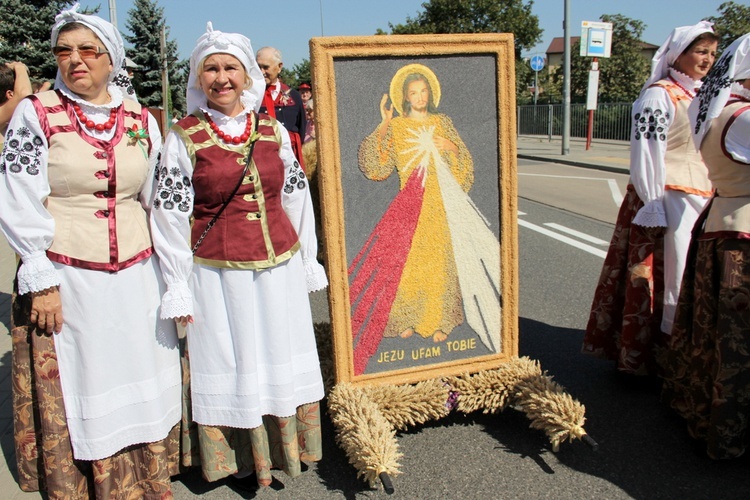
(716, 81)
(295, 179)
(650, 124)
(173, 190)
(23, 151)
(124, 83)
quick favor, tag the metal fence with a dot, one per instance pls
(611, 121)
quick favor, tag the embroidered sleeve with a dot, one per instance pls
(22, 153)
(154, 158)
(297, 204)
(170, 226)
(24, 187)
(653, 114)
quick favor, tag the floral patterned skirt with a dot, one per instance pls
(707, 365)
(280, 443)
(44, 455)
(624, 323)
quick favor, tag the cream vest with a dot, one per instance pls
(94, 187)
(730, 210)
(685, 170)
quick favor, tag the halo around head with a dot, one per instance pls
(397, 84)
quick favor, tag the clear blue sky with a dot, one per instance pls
(288, 25)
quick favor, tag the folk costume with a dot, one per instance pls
(633, 306)
(95, 406)
(431, 262)
(254, 373)
(707, 365)
(288, 109)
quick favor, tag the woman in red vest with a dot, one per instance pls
(241, 284)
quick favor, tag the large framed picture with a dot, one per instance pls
(417, 179)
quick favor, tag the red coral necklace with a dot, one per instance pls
(687, 92)
(89, 124)
(229, 139)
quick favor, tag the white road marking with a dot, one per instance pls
(570, 241)
(577, 234)
(615, 189)
(617, 195)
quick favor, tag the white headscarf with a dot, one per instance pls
(733, 65)
(107, 33)
(216, 42)
(673, 46)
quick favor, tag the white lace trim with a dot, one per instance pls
(37, 273)
(651, 215)
(315, 275)
(740, 90)
(177, 302)
(114, 92)
(685, 80)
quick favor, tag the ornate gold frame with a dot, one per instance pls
(325, 52)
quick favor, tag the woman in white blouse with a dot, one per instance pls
(97, 382)
(707, 368)
(634, 303)
(238, 275)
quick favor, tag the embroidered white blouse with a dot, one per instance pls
(25, 221)
(647, 167)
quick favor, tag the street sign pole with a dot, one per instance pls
(566, 80)
(537, 63)
(591, 100)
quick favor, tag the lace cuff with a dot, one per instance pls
(37, 273)
(177, 302)
(651, 215)
(315, 275)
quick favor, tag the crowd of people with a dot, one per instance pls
(123, 237)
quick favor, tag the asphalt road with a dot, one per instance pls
(644, 451)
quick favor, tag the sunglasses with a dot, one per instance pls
(83, 52)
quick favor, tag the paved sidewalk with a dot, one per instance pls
(610, 156)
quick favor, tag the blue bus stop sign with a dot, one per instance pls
(537, 63)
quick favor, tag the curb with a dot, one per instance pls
(575, 163)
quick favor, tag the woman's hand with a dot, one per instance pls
(184, 320)
(46, 310)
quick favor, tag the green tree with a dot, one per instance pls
(302, 71)
(480, 16)
(25, 27)
(289, 77)
(621, 75)
(476, 16)
(145, 22)
(732, 22)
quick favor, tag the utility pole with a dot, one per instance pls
(164, 81)
(113, 13)
(566, 81)
(321, 17)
